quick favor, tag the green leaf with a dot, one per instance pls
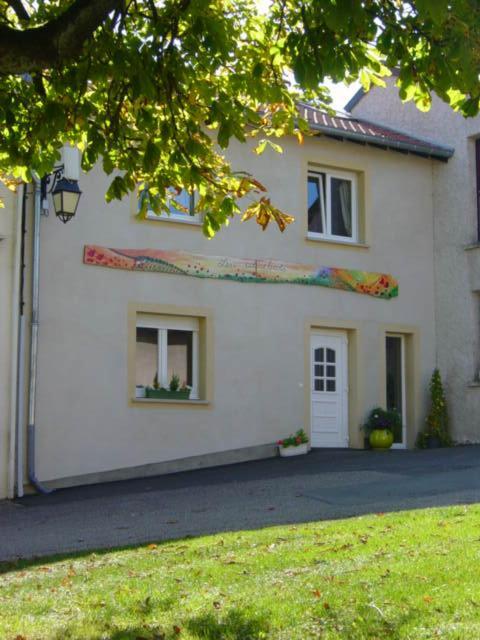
(151, 156)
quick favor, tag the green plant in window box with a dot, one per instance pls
(296, 444)
(174, 391)
(380, 426)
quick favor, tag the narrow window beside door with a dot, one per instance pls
(395, 380)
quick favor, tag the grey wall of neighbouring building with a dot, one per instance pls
(457, 252)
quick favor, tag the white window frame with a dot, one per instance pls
(173, 323)
(327, 215)
(177, 216)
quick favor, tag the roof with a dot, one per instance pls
(346, 127)
(355, 99)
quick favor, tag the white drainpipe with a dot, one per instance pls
(32, 477)
(14, 345)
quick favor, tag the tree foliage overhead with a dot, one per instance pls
(157, 88)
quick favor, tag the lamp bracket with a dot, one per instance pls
(49, 181)
(48, 184)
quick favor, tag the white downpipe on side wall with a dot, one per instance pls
(14, 344)
(32, 396)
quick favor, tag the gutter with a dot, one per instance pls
(443, 153)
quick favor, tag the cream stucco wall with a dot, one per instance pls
(86, 420)
(457, 269)
(7, 252)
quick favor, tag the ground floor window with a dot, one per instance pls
(395, 380)
(167, 349)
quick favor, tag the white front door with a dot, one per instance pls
(329, 389)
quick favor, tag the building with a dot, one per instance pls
(456, 205)
(311, 328)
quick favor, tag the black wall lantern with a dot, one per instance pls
(65, 194)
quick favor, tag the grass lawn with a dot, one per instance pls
(411, 575)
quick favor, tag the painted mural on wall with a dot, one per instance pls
(380, 285)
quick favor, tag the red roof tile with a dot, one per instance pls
(358, 130)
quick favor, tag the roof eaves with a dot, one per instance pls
(410, 134)
(441, 153)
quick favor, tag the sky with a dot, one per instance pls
(341, 94)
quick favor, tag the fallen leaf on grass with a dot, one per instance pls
(152, 546)
(317, 593)
(217, 605)
(326, 605)
(176, 629)
(427, 599)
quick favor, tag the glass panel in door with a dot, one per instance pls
(395, 383)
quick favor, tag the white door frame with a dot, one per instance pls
(403, 444)
(343, 336)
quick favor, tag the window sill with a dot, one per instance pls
(188, 220)
(157, 401)
(470, 247)
(473, 385)
(310, 237)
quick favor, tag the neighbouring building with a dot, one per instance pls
(456, 208)
(267, 332)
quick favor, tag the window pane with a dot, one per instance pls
(316, 203)
(146, 356)
(331, 370)
(181, 204)
(394, 378)
(341, 205)
(330, 355)
(331, 385)
(319, 355)
(318, 385)
(179, 355)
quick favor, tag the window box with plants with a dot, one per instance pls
(295, 445)
(174, 391)
(380, 427)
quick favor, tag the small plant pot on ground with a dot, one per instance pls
(288, 452)
(166, 394)
(433, 442)
(381, 439)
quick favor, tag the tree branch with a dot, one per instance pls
(57, 41)
(20, 11)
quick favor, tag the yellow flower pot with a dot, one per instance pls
(381, 439)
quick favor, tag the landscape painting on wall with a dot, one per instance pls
(380, 285)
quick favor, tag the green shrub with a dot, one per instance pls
(437, 419)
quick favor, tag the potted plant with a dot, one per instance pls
(380, 425)
(174, 391)
(295, 445)
(436, 432)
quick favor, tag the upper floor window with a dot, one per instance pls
(332, 205)
(181, 208)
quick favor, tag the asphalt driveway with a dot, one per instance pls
(325, 484)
